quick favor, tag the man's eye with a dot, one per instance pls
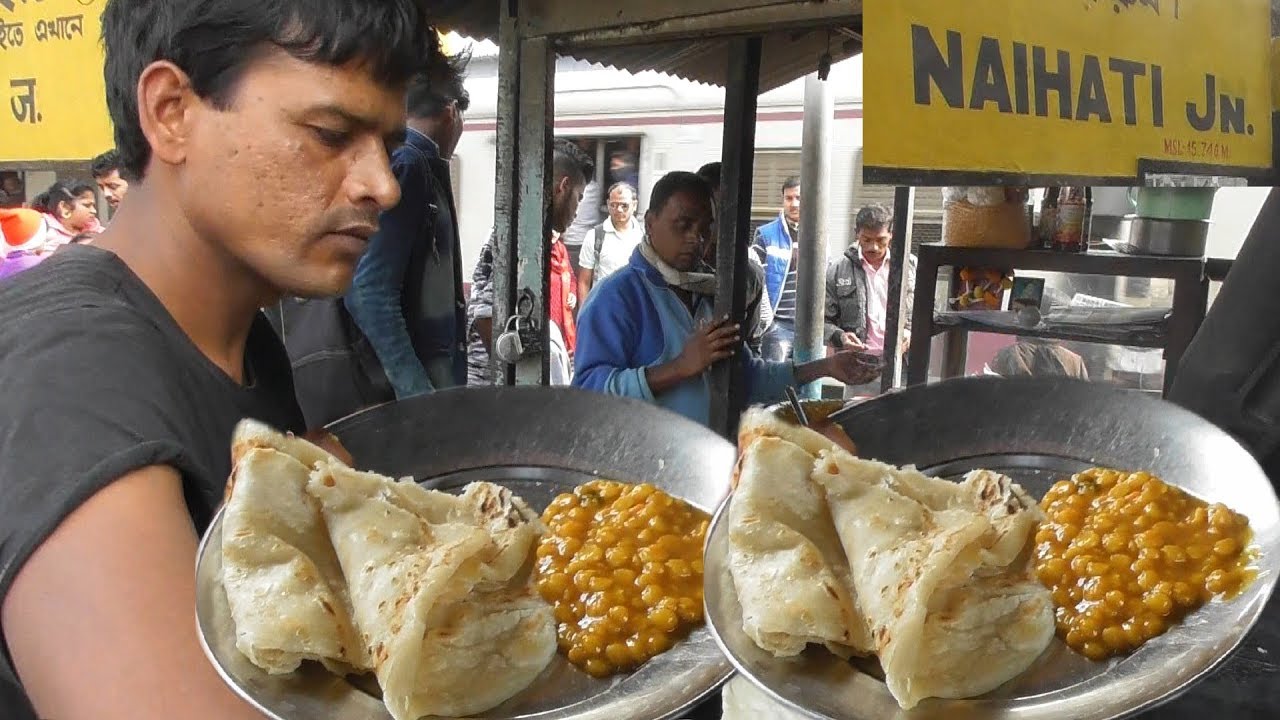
(332, 138)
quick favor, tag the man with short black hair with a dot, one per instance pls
(858, 288)
(256, 136)
(777, 246)
(651, 333)
(608, 246)
(106, 172)
(407, 296)
(571, 169)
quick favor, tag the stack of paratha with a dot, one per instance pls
(428, 590)
(933, 577)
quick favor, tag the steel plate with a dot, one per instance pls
(1036, 431)
(538, 442)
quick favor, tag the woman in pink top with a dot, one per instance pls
(70, 208)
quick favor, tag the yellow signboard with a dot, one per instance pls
(1083, 88)
(52, 100)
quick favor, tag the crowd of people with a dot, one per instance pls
(64, 214)
(633, 318)
(628, 320)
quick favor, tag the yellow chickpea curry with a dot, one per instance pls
(1127, 555)
(622, 564)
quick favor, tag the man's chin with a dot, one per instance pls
(334, 283)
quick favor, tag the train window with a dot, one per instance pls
(773, 167)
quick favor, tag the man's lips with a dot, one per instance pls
(363, 232)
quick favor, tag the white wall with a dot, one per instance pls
(1234, 210)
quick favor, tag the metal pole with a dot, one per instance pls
(504, 221)
(815, 182)
(728, 386)
(532, 248)
(904, 200)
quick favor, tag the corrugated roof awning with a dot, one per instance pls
(702, 55)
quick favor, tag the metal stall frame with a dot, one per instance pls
(530, 34)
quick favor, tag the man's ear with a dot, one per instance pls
(562, 187)
(166, 110)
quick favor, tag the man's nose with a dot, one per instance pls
(372, 179)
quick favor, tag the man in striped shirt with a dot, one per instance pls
(777, 247)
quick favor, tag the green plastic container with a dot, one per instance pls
(1172, 203)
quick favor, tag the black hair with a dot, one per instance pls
(711, 173)
(105, 164)
(62, 191)
(569, 159)
(678, 182)
(214, 41)
(82, 238)
(789, 183)
(872, 217)
(441, 83)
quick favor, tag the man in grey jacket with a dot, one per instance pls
(858, 286)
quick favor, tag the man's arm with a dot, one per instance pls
(832, 331)
(587, 264)
(99, 621)
(758, 246)
(586, 277)
(480, 306)
(375, 296)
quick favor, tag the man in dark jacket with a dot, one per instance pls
(407, 295)
(1230, 374)
(858, 286)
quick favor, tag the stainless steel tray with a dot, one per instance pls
(1036, 431)
(538, 442)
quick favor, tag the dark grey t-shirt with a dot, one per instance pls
(97, 380)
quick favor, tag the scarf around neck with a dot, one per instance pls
(699, 283)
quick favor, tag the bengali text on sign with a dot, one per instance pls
(52, 99)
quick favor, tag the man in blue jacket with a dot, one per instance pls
(407, 297)
(648, 332)
(777, 247)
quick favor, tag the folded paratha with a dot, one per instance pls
(759, 422)
(441, 590)
(285, 589)
(942, 573)
(785, 557)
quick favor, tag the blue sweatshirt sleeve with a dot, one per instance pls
(608, 340)
(766, 381)
(374, 300)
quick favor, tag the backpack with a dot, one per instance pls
(601, 229)
(327, 350)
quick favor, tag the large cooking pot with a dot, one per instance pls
(451, 431)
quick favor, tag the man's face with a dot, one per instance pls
(622, 205)
(454, 130)
(564, 202)
(791, 204)
(874, 243)
(679, 230)
(290, 178)
(113, 187)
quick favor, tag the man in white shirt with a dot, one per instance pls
(607, 247)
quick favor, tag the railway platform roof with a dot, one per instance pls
(690, 39)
